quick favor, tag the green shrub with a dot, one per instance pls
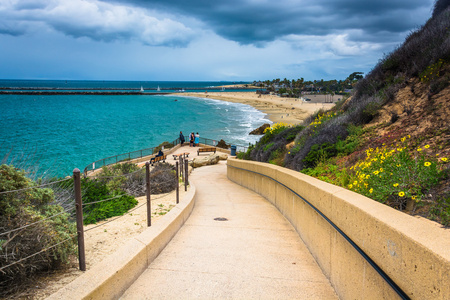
(441, 210)
(126, 177)
(94, 190)
(319, 153)
(276, 157)
(329, 171)
(245, 155)
(268, 146)
(352, 142)
(18, 209)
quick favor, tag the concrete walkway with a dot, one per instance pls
(254, 254)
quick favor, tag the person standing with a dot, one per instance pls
(191, 139)
(181, 138)
(197, 139)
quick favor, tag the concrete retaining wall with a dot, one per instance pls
(413, 252)
(111, 278)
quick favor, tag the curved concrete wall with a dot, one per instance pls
(413, 252)
(110, 278)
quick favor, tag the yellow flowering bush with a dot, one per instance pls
(277, 127)
(322, 118)
(432, 72)
(394, 174)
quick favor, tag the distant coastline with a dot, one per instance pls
(110, 91)
(291, 111)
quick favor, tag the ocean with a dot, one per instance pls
(62, 132)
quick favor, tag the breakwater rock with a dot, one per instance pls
(46, 93)
(260, 130)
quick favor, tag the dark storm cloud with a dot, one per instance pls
(94, 19)
(250, 21)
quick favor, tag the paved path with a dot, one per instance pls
(255, 254)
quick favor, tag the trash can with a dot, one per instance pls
(233, 150)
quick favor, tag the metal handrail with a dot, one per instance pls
(147, 152)
(369, 260)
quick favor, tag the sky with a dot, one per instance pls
(201, 40)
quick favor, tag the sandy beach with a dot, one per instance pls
(287, 110)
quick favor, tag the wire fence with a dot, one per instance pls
(65, 196)
(31, 222)
(68, 199)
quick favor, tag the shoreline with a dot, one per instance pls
(291, 111)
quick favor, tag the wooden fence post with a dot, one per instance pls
(147, 189)
(182, 168)
(79, 213)
(178, 183)
(186, 171)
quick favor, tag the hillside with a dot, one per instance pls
(390, 139)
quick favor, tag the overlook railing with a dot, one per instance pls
(148, 152)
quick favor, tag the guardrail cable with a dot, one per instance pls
(116, 218)
(104, 200)
(386, 278)
(116, 176)
(35, 187)
(131, 210)
(43, 250)
(37, 222)
(165, 195)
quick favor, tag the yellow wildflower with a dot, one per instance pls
(427, 164)
(395, 184)
(401, 194)
(444, 159)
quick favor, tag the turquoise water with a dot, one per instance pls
(64, 132)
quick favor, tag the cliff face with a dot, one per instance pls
(413, 111)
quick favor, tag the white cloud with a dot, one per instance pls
(341, 45)
(94, 19)
(331, 44)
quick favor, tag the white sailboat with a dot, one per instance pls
(158, 89)
(142, 89)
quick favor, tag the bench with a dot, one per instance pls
(206, 149)
(158, 159)
(185, 154)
